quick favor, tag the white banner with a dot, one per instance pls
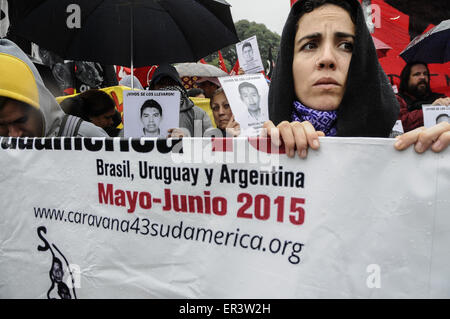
(96, 218)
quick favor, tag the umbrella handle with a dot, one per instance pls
(132, 45)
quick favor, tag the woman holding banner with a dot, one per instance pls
(328, 82)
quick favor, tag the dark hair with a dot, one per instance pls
(308, 6)
(247, 85)
(87, 104)
(247, 44)
(406, 72)
(442, 116)
(153, 104)
(195, 92)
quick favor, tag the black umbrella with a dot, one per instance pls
(430, 47)
(127, 32)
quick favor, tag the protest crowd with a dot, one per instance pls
(298, 125)
(327, 82)
(354, 103)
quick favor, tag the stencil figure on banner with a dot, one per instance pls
(193, 120)
(415, 91)
(27, 108)
(328, 82)
(223, 115)
(94, 106)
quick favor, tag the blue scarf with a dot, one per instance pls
(324, 121)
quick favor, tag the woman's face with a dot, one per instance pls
(221, 110)
(322, 54)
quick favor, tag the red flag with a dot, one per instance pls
(203, 61)
(235, 69)
(222, 62)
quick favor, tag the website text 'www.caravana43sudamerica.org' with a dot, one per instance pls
(237, 238)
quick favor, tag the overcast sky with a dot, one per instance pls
(272, 13)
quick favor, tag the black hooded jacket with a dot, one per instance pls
(165, 70)
(369, 107)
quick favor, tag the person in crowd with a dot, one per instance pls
(193, 120)
(209, 85)
(196, 92)
(151, 116)
(223, 116)
(126, 81)
(328, 82)
(415, 91)
(94, 106)
(27, 108)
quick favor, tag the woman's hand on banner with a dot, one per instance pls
(294, 135)
(437, 137)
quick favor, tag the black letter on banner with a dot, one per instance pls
(138, 147)
(67, 143)
(41, 230)
(109, 144)
(11, 145)
(124, 145)
(25, 143)
(93, 146)
(78, 143)
(165, 146)
(43, 143)
(56, 143)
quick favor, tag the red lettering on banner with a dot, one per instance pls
(222, 144)
(181, 203)
(121, 198)
(259, 206)
(105, 197)
(263, 144)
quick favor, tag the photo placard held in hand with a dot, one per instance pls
(249, 56)
(397, 129)
(435, 114)
(150, 113)
(248, 98)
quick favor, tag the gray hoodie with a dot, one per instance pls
(52, 113)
